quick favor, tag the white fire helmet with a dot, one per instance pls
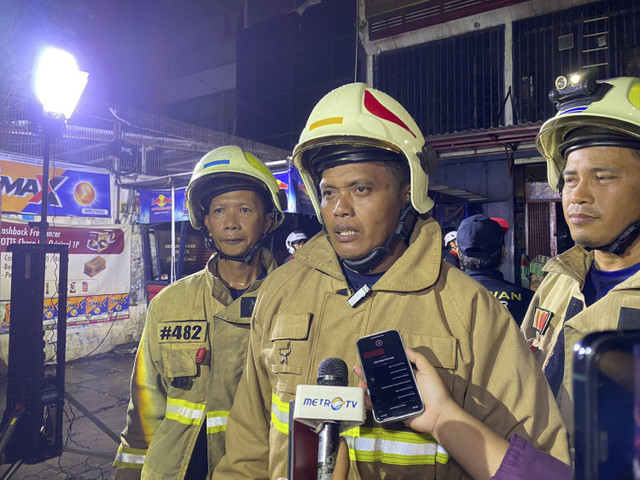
(356, 115)
(449, 237)
(297, 236)
(608, 114)
(226, 169)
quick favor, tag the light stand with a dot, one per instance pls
(31, 429)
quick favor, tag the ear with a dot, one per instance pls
(270, 219)
(206, 223)
(406, 192)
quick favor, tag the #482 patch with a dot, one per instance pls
(182, 332)
(541, 320)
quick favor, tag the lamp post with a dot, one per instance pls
(58, 86)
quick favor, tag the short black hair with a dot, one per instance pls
(474, 263)
(401, 173)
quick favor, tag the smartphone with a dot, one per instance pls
(389, 376)
(606, 382)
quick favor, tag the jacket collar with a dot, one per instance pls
(219, 290)
(418, 267)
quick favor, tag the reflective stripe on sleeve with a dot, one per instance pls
(129, 457)
(217, 421)
(280, 414)
(184, 412)
(393, 447)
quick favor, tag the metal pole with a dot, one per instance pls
(44, 203)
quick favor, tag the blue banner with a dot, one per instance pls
(156, 206)
(73, 191)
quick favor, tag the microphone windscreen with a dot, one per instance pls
(333, 372)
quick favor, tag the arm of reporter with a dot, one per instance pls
(481, 452)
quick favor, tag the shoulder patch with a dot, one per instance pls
(629, 318)
(247, 304)
(541, 319)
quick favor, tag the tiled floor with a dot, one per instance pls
(101, 385)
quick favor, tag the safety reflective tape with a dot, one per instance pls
(129, 457)
(394, 447)
(326, 121)
(184, 412)
(217, 421)
(280, 414)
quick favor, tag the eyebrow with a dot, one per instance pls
(353, 183)
(593, 170)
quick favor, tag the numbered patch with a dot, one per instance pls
(181, 332)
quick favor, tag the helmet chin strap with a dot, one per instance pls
(406, 222)
(622, 241)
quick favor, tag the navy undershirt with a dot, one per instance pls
(598, 282)
(357, 280)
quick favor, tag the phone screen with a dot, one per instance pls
(389, 376)
(607, 405)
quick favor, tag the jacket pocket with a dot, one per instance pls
(440, 351)
(289, 354)
(179, 361)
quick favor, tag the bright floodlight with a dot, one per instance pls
(59, 83)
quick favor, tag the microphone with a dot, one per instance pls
(331, 372)
(324, 409)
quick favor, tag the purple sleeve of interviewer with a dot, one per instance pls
(523, 462)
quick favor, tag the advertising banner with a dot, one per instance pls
(73, 191)
(99, 271)
(156, 206)
(298, 200)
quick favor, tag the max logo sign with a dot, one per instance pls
(21, 187)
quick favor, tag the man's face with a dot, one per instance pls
(360, 205)
(601, 194)
(297, 245)
(236, 220)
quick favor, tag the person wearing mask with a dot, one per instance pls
(481, 247)
(592, 149)
(451, 242)
(294, 241)
(378, 266)
(192, 349)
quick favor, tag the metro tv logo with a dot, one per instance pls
(22, 187)
(336, 404)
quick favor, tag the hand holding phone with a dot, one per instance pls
(389, 375)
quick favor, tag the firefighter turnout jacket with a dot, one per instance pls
(190, 358)
(302, 317)
(559, 306)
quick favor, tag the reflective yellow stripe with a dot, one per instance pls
(280, 414)
(326, 121)
(217, 421)
(393, 447)
(185, 412)
(129, 457)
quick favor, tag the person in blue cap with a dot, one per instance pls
(481, 249)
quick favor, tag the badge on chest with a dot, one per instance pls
(182, 332)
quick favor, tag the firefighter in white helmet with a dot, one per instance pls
(378, 266)
(294, 241)
(192, 349)
(592, 149)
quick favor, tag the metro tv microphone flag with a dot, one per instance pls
(327, 408)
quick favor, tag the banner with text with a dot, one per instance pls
(156, 206)
(99, 271)
(73, 190)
